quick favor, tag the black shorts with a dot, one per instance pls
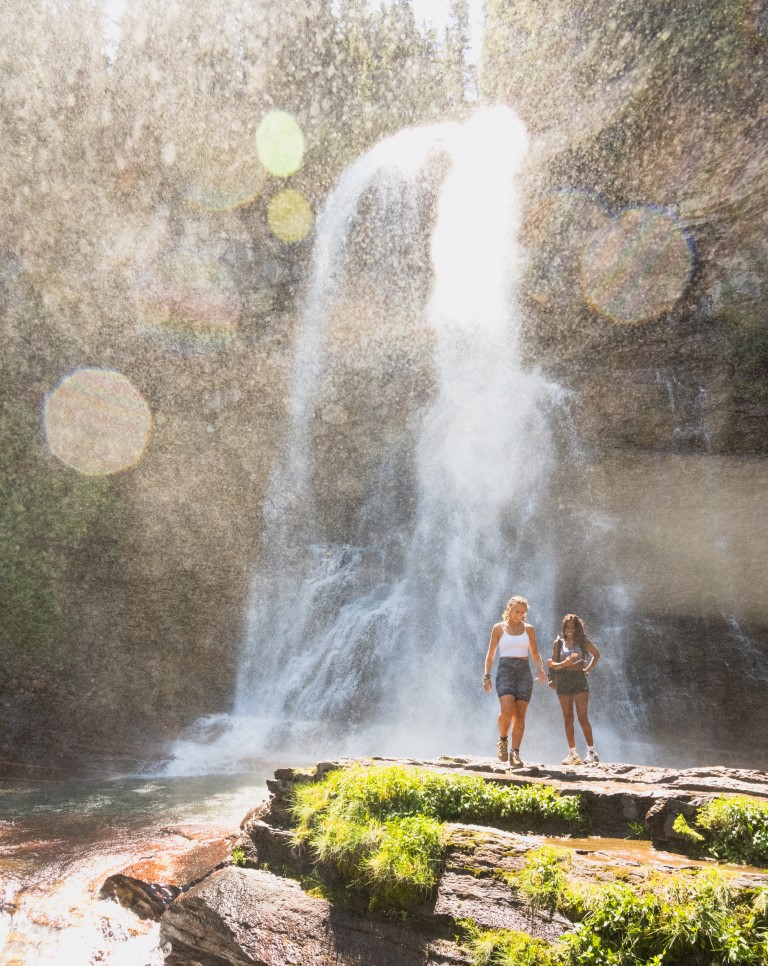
(514, 678)
(572, 682)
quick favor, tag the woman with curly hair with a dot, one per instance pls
(570, 652)
(514, 640)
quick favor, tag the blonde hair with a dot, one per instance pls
(513, 602)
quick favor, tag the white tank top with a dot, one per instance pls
(514, 645)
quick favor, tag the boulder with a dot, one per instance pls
(660, 821)
(148, 900)
(248, 917)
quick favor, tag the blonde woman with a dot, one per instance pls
(514, 640)
(574, 656)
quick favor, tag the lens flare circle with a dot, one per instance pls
(290, 216)
(637, 267)
(556, 230)
(97, 422)
(280, 143)
(223, 180)
(188, 304)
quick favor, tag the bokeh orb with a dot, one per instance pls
(556, 230)
(290, 216)
(97, 422)
(280, 143)
(225, 179)
(638, 266)
(188, 304)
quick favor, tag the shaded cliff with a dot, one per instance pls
(654, 108)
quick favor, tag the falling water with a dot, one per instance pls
(398, 526)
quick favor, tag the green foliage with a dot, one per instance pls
(356, 73)
(389, 791)
(505, 947)
(543, 881)
(45, 512)
(681, 826)
(735, 829)
(686, 918)
(639, 831)
(760, 905)
(238, 857)
(404, 867)
(380, 828)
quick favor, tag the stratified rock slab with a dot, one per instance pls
(148, 900)
(248, 917)
(251, 917)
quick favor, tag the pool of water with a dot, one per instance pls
(60, 841)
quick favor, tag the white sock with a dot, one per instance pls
(591, 748)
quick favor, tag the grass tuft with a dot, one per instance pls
(694, 839)
(735, 829)
(505, 947)
(380, 829)
(543, 881)
(638, 830)
(686, 919)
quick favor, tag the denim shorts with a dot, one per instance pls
(572, 682)
(514, 677)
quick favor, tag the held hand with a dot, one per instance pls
(541, 677)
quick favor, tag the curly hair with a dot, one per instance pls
(513, 602)
(579, 630)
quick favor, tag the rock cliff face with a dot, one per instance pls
(637, 113)
(644, 293)
(259, 914)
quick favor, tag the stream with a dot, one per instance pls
(60, 841)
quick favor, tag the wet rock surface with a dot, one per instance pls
(252, 915)
(148, 900)
(239, 916)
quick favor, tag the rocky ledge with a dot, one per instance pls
(265, 907)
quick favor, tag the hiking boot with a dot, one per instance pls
(514, 759)
(591, 758)
(501, 750)
(572, 759)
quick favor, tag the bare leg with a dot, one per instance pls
(582, 705)
(518, 722)
(566, 703)
(506, 713)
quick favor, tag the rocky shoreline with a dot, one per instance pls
(260, 909)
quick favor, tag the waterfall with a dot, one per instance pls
(409, 501)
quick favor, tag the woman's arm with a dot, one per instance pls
(490, 655)
(541, 674)
(593, 651)
(572, 663)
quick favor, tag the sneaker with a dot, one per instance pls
(514, 759)
(501, 750)
(572, 759)
(591, 758)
